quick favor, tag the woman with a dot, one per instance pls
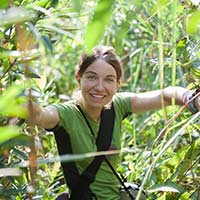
(99, 76)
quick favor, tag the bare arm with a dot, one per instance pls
(152, 100)
(47, 117)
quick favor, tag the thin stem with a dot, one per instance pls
(161, 60)
(8, 69)
(174, 37)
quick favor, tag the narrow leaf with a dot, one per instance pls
(160, 5)
(7, 133)
(3, 3)
(190, 156)
(193, 22)
(15, 107)
(97, 25)
(76, 4)
(10, 172)
(19, 140)
(15, 15)
(166, 187)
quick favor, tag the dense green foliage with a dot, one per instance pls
(40, 43)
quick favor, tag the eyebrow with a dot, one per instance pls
(91, 72)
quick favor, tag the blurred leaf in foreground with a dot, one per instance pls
(14, 15)
(19, 140)
(166, 187)
(11, 103)
(3, 4)
(76, 4)
(97, 25)
(10, 172)
(8, 133)
(193, 22)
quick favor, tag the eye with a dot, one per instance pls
(91, 77)
(110, 80)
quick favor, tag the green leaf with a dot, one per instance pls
(19, 140)
(40, 3)
(3, 3)
(31, 74)
(189, 158)
(6, 53)
(182, 42)
(196, 63)
(10, 172)
(53, 3)
(76, 4)
(15, 107)
(176, 158)
(193, 22)
(7, 133)
(158, 6)
(96, 27)
(163, 197)
(20, 154)
(166, 187)
(185, 196)
(15, 15)
(47, 43)
(121, 35)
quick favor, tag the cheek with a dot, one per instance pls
(85, 85)
(112, 89)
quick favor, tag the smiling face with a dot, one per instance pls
(98, 84)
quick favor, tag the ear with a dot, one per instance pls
(118, 84)
(77, 77)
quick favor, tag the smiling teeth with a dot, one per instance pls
(98, 96)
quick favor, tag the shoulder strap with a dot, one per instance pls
(103, 143)
(64, 146)
(104, 137)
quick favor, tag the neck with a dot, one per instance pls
(94, 113)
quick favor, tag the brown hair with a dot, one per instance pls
(105, 53)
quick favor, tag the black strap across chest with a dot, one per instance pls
(104, 126)
(79, 184)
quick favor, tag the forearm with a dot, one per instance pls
(175, 93)
(44, 117)
(183, 96)
(152, 100)
(35, 112)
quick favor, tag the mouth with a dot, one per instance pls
(97, 96)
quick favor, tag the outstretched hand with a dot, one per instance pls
(197, 102)
(192, 100)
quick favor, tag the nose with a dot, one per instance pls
(99, 86)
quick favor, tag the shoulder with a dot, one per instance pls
(122, 103)
(69, 114)
(66, 109)
(68, 105)
(122, 97)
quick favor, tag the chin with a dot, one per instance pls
(96, 105)
(99, 104)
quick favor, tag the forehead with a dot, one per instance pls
(101, 67)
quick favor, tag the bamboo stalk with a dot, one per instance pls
(174, 38)
(161, 60)
(24, 43)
